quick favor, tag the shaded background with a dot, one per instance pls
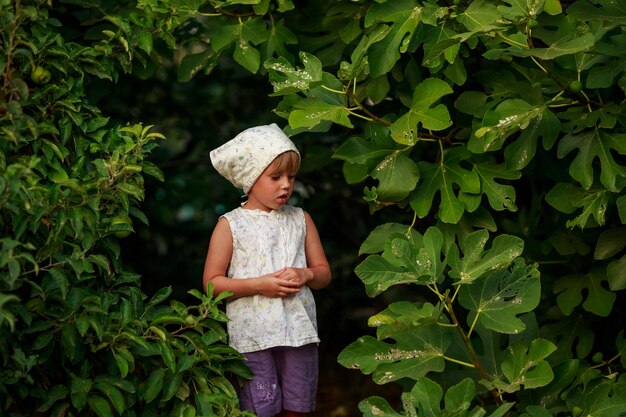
(199, 115)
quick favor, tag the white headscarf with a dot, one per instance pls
(243, 159)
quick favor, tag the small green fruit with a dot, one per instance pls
(532, 23)
(121, 221)
(40, 75)
(576, 86)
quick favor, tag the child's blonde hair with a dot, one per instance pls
(285, 162)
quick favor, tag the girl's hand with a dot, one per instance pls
(297, 276)
(276, 286)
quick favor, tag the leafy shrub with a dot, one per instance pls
(78, 336)
(493, 131)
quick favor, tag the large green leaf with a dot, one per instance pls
(310, 112)
(498, 298)
(403, 316)
(112, 393)
(507, 118)
(526, 366)
(361, 150)
(591, 145)
(405, 129)
(610, 242)
(288, 79)
(603, 398)
(224, 35)
(364, 354)
(522, 150)
(441, 178)
(359, 55)
(573, 337)
(403, 261)
(404, 17)
(414, 354)
(100, 406)
(616, 274)
(153, 385)
(568, 198)
(375, 241)
(479, 16)
(427, 396)
(566, 45)
(570, 289)
(397, 176)
(477, 261)
(500, 196)
(378, 275)
(440, 43)
(460, 396)
(247, 56)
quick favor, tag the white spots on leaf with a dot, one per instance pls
(377, 411)
(397, 354)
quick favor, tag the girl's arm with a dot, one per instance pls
(317, 272)
(315, 257)
(216, 265)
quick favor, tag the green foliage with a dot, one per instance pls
(78, 335)
(490, 132)
(497, 126)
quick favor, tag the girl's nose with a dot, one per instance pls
(284, 181)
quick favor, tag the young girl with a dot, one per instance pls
(269, 255)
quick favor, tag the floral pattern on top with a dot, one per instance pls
(265, 242)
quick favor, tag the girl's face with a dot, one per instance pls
(272, 189)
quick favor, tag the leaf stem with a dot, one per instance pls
(469, 365)
(332, 90)
(373, 117)
(433, 288)
(369, 119)
(469, 333)
(408, 231)
(588, 101)
(470, 349)
(554, 106)
(456, 292)
(539, 65)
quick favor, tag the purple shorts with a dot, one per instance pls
(285, 378)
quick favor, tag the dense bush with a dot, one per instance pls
(78, 335)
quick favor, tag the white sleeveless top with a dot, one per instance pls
(263, 243)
